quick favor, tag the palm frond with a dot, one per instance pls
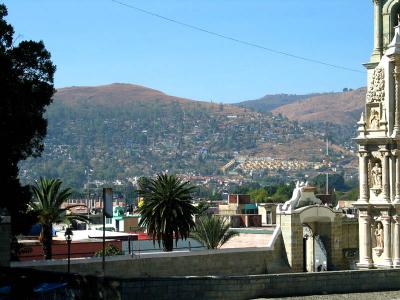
(167, 210)
(212, 232)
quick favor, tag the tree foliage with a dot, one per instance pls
(48, 197)
(110, 250)
(212, 232)
(167, 210)
(258, 195)
(336, 181)
(26, 88)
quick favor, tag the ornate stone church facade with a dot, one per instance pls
(379, 145)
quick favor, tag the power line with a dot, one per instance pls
(237, 40)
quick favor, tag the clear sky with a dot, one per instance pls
(96, 42)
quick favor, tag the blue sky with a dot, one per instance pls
(96, 42)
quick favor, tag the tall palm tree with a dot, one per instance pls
(46, 203)
(167, 210)
(212, 232)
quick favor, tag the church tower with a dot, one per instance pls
(385, 19)
(379, 145)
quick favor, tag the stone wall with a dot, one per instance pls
(292, 232)
(257, 286)
(222, 262)
(211, 287)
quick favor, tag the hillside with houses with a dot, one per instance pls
(120, 131)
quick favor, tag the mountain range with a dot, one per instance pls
(342, 108)
(119, 131)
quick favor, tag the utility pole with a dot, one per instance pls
(327, 169)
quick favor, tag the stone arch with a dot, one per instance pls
(317, 213)
(388, 6)
(317, 249)
(389, 11)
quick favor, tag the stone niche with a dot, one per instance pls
(375, 179)
(374, 113)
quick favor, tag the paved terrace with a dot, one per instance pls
(250, 238)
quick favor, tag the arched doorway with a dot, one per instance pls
(316, 241)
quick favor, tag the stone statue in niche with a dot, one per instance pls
(379, 236)
(376, 176)
(376, 90)
(374, 119)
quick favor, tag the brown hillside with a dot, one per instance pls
(342, 108)
(119, 94)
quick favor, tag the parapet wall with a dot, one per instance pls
(223, 262)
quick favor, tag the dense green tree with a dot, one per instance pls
(271, 189)
(283, 192)
(167, 210)
(46, 204)
(246, 188)
(336, 181)
(350, 195)
(212, 232)
(258, 195)
(26, 88)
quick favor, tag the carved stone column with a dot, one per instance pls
(363, 176)
(377, 29)
(396, 242)
(387, 241)
(364, 232)
(396, 155)
(385, 175)
(396, 75)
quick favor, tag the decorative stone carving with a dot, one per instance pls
(361, 126)
(307, 232)
(375, 172)
(376, 154)
(385, 173)
(374, 119)
(376, 90)
(303, 195)
(376, 176)
(379, 236)
(396, 75)
(379, 134)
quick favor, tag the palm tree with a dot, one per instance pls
(167, 210)
(46, 204)
(212, 232)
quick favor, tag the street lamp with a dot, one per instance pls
(68, 238)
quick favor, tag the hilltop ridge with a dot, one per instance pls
(123, 94)
(119, 131)
(342, 108)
